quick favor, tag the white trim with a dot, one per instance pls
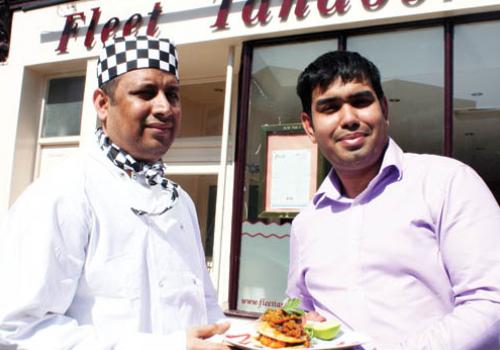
(221, 186)
(36, 168)
(206, 80)
(199, 150)
(89, 114)
(192, 169)
(61, 140)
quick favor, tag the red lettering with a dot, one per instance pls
(262, 15)
(376, 5)
(412, 3)
(71, 27)
(340, 7)
(300, 9)
(110, 27)
(221, 21)
(134, 22)
(89, 38)
(153, 20)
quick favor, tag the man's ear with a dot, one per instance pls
(385, 109)
(308, 126)
(101, 105)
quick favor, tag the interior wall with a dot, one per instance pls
(202, 108)
(197, 186)
(193, 118)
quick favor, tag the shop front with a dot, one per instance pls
(241, 153)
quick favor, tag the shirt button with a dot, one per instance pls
(182, 227)
(161, 284)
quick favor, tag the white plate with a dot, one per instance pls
(242, 336)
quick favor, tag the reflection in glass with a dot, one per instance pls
(411, 65)
(63, 107)
(273, 101)
(476, 103)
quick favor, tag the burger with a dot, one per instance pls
(283, 327)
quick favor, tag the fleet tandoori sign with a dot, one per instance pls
(325, 8)
(253, 12)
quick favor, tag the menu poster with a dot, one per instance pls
(291, 162)
(290, 179)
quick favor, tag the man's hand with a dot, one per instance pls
(196, 337)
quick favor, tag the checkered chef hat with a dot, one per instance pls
(122, 54)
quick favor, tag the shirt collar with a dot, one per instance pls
(392, 165)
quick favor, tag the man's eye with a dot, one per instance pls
(362, 101)
(172, 96)
(146, 94)
(328, 108)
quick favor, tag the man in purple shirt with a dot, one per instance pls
(399, 246)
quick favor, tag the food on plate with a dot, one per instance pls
(283, 327)
(326, 330)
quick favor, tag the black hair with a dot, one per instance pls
(109, 88)
(348, 66)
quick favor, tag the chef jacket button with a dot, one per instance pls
(161, 284)
(182, 227)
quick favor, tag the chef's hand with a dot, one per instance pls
(197, 337)
(314, 316)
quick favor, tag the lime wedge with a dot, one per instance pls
(324, 330)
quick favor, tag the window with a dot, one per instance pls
(476, 100)
(412, 74)
(273, 101)
(417, 75)
(63, 107)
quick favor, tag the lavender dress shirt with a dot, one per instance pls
(413, 261)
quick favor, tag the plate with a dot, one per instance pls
(243, 336)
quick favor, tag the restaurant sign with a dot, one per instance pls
(131, 25)
(253, 12)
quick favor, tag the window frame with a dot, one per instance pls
(54, 141)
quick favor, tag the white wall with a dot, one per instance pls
(10, 92)
(26, 132)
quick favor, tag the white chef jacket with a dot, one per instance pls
(80, 270)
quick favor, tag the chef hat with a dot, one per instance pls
(122, 54)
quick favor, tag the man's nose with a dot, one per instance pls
(349, 117)
(161, 105)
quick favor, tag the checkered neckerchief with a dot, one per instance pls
(153, 172)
